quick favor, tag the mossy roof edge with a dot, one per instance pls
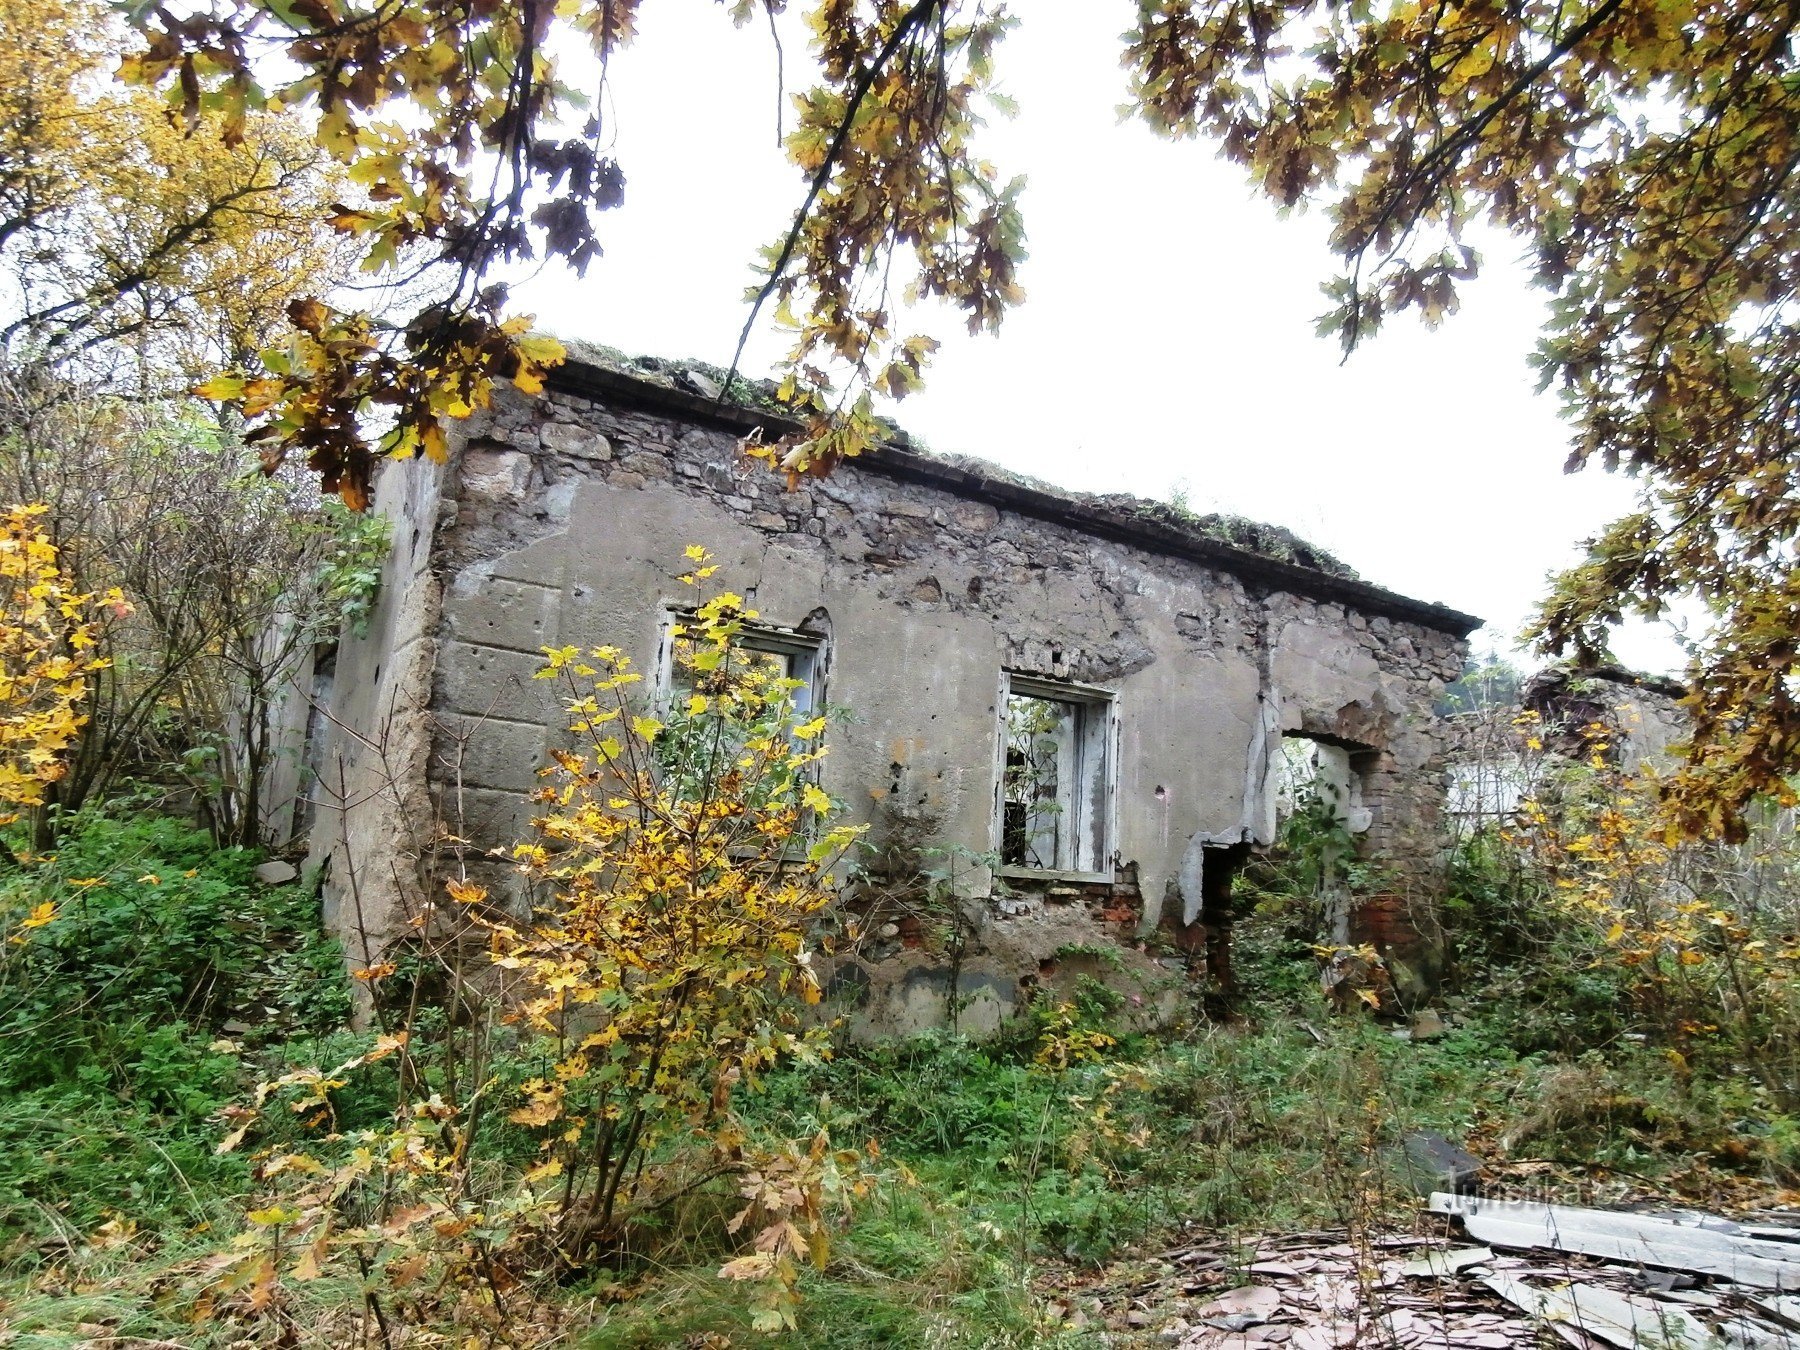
(1267, 555)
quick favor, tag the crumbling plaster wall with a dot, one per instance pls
(367, 773)
(562, 520)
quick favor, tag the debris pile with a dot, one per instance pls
(1598, 1280)
(1681, 1278)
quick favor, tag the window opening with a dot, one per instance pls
(1310, 773)
(787, 654)
(1486, 791)
(1055, 795)
(690, 749)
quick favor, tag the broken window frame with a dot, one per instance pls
(1086, 851)
(805, 652)
(807, 655)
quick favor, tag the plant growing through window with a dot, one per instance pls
(683, 862)
(1039, 761)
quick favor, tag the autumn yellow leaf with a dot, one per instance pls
(756, 1266)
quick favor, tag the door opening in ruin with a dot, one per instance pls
(1322, 782)
(1055, 794)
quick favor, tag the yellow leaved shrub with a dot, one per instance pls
(47, 652)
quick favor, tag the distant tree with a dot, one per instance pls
(132, 253)
(1646, 149)
(135, 259)
(225, 578)
(1647, 152)
(1489, 681)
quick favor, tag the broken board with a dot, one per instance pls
(1665, 1242)
(1620, 1319)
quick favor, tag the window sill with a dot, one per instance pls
(1018, 873)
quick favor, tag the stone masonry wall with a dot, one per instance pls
(562, 520)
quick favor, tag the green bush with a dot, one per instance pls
(1538, 973)
(930, 1095)
(156, 933)
(126, 1019)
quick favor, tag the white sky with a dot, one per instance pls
(1168, 333)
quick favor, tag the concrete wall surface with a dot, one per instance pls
(563, 519)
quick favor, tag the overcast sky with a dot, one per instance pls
(1167, 339)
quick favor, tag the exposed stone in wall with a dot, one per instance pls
(561, 520)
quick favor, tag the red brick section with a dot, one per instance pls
(1207, 941)
(1385, 922)
(1119, 903)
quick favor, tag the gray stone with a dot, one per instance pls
(651, 465)
(277, 873)
(479, 680)
(491, 473)
(498, 819)
(491, 752)
(1427, 1025)
(702, 383)
(503, 613)
(1433, 1163)
(565, 438)
(978, 516)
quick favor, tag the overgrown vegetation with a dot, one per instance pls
(570, 1124)
(139, 1020)
(217, 581)
(144, 968)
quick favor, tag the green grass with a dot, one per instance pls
(134, 1016)
(998, 1178)
(913, 1268)
(994, 1174)
(1241, 1130)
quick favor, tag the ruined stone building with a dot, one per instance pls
(1155, 661)
(1504, 751)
